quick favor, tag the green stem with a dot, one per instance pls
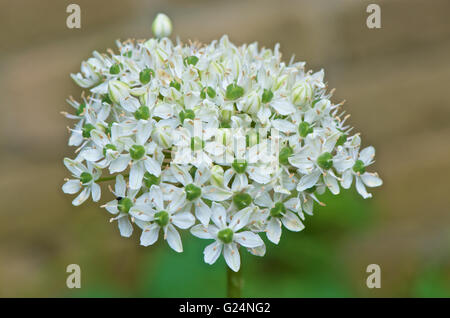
(109, 178)
(234, 283)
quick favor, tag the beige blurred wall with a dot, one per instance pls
(394, 80)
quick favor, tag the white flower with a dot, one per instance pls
(121, 205)
(85, 178)
(358, 170)
(160, 215)
(280, 212)
(140, 157)
(315, 159)
(196, 191)
(226, 236)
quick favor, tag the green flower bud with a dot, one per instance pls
(267, 96)
(85, 177)
(359, 166)
(108, 129)
(234, 92)
(137, 152)
(114, 69)
(106, 99)
(197, 143)
(150, 179)
(124, 205)
(285, 153)
(217, 175)
(341, 140)
(325, 160)
(192, 192)
(278, 210)
(192, 60)
(108, 146)
(81, 109)
(211, 92)
(86, 130)
(192, 171)
(242, 200)
(145, 75)
(175, 85)
(162, 218)
(225, 235)
(186, 114)
(304, 129)
(239, 165)
(142, 112)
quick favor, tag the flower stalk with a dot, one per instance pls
(234, 283)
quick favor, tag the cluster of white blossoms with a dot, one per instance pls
(229, 142)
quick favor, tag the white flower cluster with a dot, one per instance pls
(229, 142)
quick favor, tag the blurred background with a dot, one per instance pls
(394, 79)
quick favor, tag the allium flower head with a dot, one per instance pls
(228, 141)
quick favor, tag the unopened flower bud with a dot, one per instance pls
(117, 90)
(217, 176)
(251, 103)
(162, 26)
(301, 93)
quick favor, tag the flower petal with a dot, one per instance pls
(232, 257)
(201, 231)
(150, 235)
(212, 252)
(119, 164)
(125, 227)
(292, 222)
(202, 212)
(82, 197)
(214, 193)
(152, 166)
(173, 239)
(183, 220)
(156, 196)
(273, 230)
(136, 175)
(248, 239)
(371, 179)
(309, 180)
(71, 186)
(362, 189)
(367, 154)
(241, 218)
(96, 192)
(331, 183)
